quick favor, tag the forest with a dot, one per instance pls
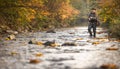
(110, 14)
(59, 34)
(30, 15)
(34, 15)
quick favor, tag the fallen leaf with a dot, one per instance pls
(38, 54)
(14, 53)
(108, 66)
(101, 38)
(95, 43)
(39, 43)
(54, 45)
(88, 41)
(79, 39)
(35, 61)
(112, 48)
(7, 38)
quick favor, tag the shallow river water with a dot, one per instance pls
(89, 53)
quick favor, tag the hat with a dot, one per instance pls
(93, 9)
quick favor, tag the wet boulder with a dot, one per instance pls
(10, 37)
(49, 43)
(11, 32)
(51, 31)
(33, 41)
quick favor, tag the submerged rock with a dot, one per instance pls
(12, 32)
(51, 43)
(69, 44)
(10, 37)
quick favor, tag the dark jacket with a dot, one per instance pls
(92, 17)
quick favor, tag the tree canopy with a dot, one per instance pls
(35, 14)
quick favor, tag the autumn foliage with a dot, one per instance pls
(30, 15)
(110, 15)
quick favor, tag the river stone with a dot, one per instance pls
(69, 44)
(51, 31)
(12, 32)
(11, 37)
(49, 43)
(33, 41)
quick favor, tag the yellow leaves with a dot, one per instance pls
(108, 66)
(54, 45)
(39, 43)
(13, 53)
(105, 19)
(45, 13)
(79, 39)
(67, 11)
(34, 41)
(95, 43)
(10, 37)
(88, 41)
(34, 61)
(38, 54)
(64, 16)
(35, 13)
(103, 39)
(31, 14)
(26, 14)
(37, 3)
(19, 19)
(7, 38)
(105, 3)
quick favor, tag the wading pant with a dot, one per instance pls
(92, 25)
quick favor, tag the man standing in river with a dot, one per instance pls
(93, 22)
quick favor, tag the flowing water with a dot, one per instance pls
(89, 53)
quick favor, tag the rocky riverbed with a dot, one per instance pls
(69, 48)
